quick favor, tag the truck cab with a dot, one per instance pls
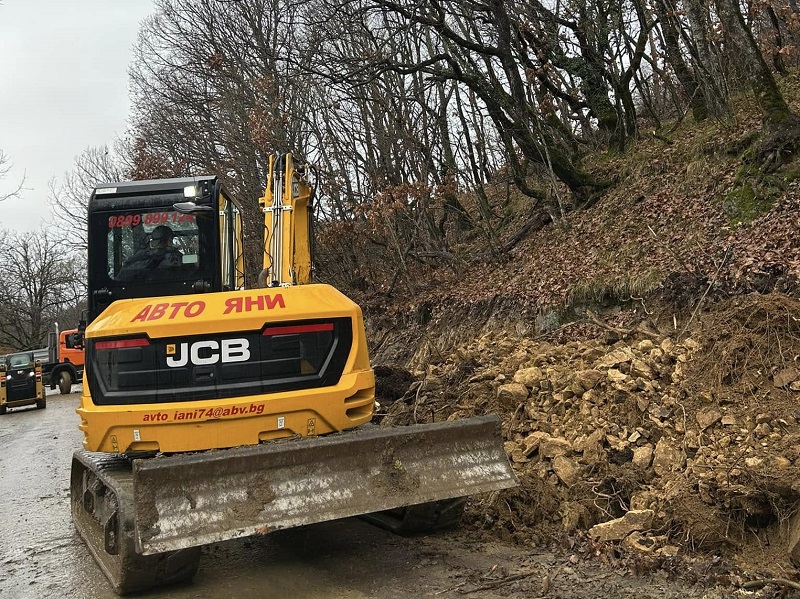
(21, 382)
(65, 360)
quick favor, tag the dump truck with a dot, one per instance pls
(21, 382)
(211, 411)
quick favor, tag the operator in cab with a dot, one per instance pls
(158, 256)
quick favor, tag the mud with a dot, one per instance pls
(41, 554)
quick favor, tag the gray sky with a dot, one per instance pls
(63, 88)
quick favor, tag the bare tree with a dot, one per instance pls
(5, 169)
(41, 284)
(69, 197)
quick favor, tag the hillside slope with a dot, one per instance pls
(644, 357)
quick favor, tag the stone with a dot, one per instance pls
(616, 376)
(530, 377)
(532, 442)
(728, 420)
(667, 346)
(642, 456)
(667, 458)
(588, 379)
(708, 417)
(785, 377)
(550, 447)
(640, 368)
(645, 346)
(574, 515)
(566, 470)
(511, 395)
(637, 541)
(615, 357)
(616, 530)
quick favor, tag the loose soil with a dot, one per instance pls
(697, 428)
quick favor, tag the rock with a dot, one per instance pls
(667, 346)
(779, 462)
(642, 456)
(574, 515)
(668, 551)
(785, 377)
(530, 377)
(588, 379)
(645, 346)
(793, 536)
(616, 376)
(754, 462)
(728, 420)
(615, 530)
(550, 447)
(667, 458)
(614, 358)
(511, 395)
(532, 441)
(642, 369)
(708, 417)
(566, 470)
(637, 541)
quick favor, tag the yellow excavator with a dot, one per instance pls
(211, 412)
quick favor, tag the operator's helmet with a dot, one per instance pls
(162, 232)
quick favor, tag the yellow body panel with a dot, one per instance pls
(229, 422)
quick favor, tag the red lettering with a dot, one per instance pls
(175, 307)
(158, 311)
(194, 309)
(142, 315)
(249, 302)
(233, 303)
(274, 301)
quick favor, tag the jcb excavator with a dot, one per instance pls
(212, 412)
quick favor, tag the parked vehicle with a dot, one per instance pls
(21, 382)
(62, 360)
(64, 365)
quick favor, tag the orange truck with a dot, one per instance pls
(63, 365)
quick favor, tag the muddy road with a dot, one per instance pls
(41, 555)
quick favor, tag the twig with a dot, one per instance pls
(758, 584)
(619, 330)
(705, 293)
(497, 583)
(416, 399)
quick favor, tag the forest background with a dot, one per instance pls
(559, 153)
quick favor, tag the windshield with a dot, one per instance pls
(154, 245)
(18, 360)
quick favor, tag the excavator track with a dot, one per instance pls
(101, 490)
(421, 518)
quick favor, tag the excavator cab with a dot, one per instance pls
(162, 237)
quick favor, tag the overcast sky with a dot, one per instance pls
(63, 88)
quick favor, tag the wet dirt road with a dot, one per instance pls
(42, 556)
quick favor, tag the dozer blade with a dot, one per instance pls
(188, 500)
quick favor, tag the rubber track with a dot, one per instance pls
(421, 518)
(101, 496)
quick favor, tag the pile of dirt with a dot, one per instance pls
(657, 444)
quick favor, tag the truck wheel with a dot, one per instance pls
(41, 403)
(64, 382)
(2, 410)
